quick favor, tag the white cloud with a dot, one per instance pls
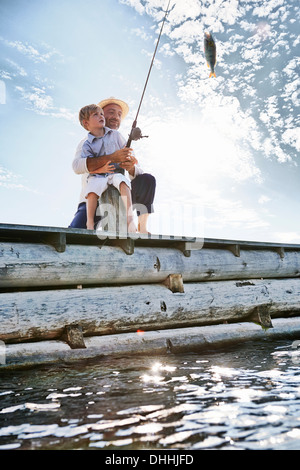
(140, 32)
(10, 180)
(235, 214)
(266, 8)
(292, 137)
(5, 75)
(42, 103)
(134, 4)
(30, 51)
(19, 70)
(37, 98)
(287, 237)
(263, 199)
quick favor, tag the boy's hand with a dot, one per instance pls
(107, 168)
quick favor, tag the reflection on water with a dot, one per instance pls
(245, 397)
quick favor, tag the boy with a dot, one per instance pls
(103, 141)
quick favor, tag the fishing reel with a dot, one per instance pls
(136, 134)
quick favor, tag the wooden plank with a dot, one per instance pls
(45, 314)
(151, 343)
(32, 233)
(30, 265)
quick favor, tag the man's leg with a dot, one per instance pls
(143, 192)
(125, 193)
(79, 220)
(80, 217)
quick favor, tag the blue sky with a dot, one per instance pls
(224, 151)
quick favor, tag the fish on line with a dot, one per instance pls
(210, 52)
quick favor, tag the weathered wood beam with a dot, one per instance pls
(151, 343)
(36, 264)
(105, 310)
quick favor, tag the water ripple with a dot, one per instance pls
(239, 398)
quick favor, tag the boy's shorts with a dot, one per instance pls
(99, 184)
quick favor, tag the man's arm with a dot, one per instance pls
(131, 163)
(82, 164)
(95, 163)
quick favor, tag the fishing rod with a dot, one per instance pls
(136, 133)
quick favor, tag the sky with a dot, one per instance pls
(224, 151)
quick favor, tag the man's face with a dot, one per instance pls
(113, 116)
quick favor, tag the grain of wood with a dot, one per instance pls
(106, 310)
(36, 264)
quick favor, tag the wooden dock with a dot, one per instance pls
(68, 294)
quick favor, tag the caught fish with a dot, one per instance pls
(210, 53)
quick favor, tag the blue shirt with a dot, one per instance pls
(107, 144)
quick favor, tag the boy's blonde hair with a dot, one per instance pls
(86, 111)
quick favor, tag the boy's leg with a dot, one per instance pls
(94, 189)
(91, 206)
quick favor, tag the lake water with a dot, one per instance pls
(243, 397)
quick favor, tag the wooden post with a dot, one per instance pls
(261, 315)
(174, 282)
(113, 212)
(74, 337)
(57, 240)
(114, 219)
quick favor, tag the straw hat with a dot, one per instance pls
(112, 100)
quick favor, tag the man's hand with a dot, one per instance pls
(129, 165)
(121, 155)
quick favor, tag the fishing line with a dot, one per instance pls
(136, 133)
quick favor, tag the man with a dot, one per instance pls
(142, 184)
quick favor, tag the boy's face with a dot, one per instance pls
(96, 121)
